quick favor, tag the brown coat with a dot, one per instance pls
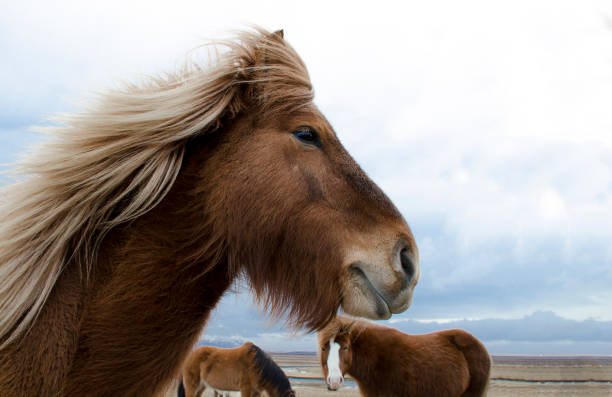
(388, 363)
(145, 208)
(246, 369)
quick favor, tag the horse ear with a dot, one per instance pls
(267, 49)
(350, 326)
(345, 329)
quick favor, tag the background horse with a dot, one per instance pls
(387, 363)
(134, 219)
(246, 368)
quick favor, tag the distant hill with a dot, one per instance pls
(221, 343)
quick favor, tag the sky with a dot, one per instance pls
(487, 123)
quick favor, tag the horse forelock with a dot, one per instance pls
(118, 159)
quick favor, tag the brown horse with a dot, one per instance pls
(246, 368)
(388, 363)
(129, 225)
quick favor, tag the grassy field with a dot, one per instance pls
(511, 376)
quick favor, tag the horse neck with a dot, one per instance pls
(157, 279)
(272, 377)
(173, 246)
(366, 353)
(144, 294)
(38, 361)
(144, 320)
(372, 357)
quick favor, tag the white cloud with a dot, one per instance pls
(487, 123)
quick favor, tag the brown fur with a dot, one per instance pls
(388, 363)
(237, 369)
(139, 276)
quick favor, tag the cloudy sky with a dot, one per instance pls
(489, 125)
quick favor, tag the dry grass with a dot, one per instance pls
(306, 377)
(506, 389)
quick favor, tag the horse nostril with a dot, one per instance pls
(407, 263)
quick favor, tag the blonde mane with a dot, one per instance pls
(118, 159)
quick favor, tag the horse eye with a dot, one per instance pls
(345, 348)
(308, 136)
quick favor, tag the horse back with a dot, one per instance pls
(221, 369)
(435, 364)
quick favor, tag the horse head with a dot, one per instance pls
(296, 213)
(335, 353)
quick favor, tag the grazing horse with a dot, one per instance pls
(132, 220)
(246, 368)
(388, 363)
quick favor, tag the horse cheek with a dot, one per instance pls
(345, 363)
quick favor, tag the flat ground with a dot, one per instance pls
(511, 376)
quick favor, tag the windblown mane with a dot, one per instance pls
(118, 159)
(270, 372)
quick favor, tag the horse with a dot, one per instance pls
(246, 368)
(131, 221)
(386, 362)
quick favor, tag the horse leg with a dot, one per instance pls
(190, 391)
(191, 385)
(200, 391)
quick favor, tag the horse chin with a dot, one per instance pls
(401, 303)
(361, 299)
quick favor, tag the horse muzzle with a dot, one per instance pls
(334, 382)
(376, 290)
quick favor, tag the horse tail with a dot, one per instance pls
(181, 389)
(478, 361)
